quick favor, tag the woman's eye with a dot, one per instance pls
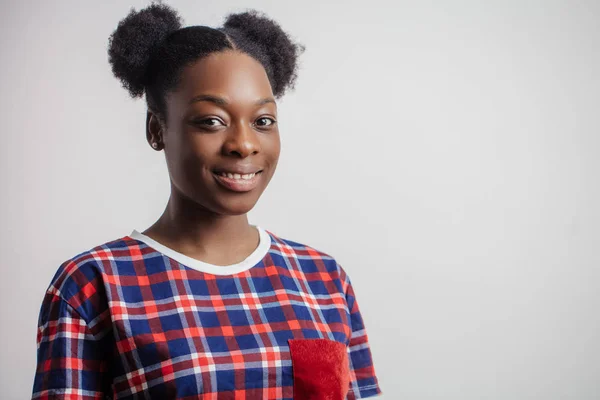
(266, 121)
(210, 122)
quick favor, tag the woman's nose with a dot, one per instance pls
(241, 141)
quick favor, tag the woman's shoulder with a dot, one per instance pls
(105, 251)
(85, 268)
(294, 246)
(80, 279)
(307, 255)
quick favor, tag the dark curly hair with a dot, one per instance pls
(149, 49)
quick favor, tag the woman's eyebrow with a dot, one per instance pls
(222, 102)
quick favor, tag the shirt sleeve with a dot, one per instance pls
(71, 358)
(363, 380)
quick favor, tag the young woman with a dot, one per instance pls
(202, 304)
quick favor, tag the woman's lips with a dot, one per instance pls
(238, 182)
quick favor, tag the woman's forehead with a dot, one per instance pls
(229, 74)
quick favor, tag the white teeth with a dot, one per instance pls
(237, 176)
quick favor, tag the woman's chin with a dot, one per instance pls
(236, 207)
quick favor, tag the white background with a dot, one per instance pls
(445, 152)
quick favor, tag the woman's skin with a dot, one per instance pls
(205, 217)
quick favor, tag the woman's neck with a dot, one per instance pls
(202, 234)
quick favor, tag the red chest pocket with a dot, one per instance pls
(321, 369)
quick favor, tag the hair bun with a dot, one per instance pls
(275, 43)
(132, 44)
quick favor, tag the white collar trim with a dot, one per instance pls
(254, 258)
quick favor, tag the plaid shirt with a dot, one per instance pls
(124, 320)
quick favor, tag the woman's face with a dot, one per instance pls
(222, 140)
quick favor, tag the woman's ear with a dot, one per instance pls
(154, 130)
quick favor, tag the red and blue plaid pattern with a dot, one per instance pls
(125, 321)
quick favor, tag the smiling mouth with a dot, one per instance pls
(236, 176)
(237, 182)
